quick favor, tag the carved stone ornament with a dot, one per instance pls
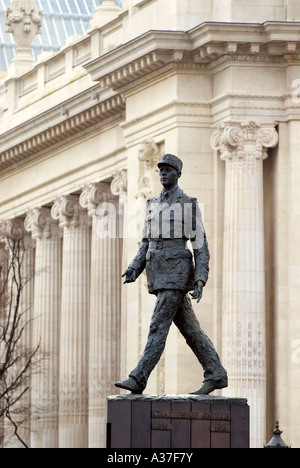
(12, 229)
(66, 210)
(149, 153)
(93, 195)
(119, 184)
(243, 140)
(23, 21)
(39, 222)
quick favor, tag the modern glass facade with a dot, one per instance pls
(62, 18)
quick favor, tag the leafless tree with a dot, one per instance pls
(18, 358)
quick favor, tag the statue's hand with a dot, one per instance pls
(130, 276)
(197, 293)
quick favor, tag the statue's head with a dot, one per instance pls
(170, 168)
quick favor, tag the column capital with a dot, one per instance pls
(67, 210)
(244, 140)
(40, 223)
(12, 229)
(93, 195)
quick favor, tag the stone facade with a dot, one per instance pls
(218, 84)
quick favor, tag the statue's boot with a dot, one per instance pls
(210, 386)
(131, 385)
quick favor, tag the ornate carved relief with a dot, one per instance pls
(119, 185)
(23, 21)
(149, 155)
(39, 222)
(67, 211)
(245, 142)
(12, 229)
(92, 195)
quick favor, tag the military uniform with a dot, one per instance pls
(172, 219)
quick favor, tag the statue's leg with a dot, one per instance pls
(214, 373)
(166, 307)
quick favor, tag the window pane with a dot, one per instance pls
(54, 6)
(63, 6)
(82, 7)
(3, 64)
(61, 30)
(73, 7)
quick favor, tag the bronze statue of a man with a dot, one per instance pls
(173, 218)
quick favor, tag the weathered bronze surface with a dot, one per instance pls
(172, 220)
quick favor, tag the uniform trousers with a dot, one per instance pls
(175, 306)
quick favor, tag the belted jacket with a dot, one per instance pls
(172, 219)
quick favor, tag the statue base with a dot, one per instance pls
(177, 421)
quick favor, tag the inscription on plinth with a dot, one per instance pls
(177, 421)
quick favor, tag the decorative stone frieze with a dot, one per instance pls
(112, 107)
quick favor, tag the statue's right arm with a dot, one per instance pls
(139, 262)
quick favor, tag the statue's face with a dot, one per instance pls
(168, 176)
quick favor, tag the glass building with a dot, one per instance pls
(62, 18)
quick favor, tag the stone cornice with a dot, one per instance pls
(121, 68)
(68, 126)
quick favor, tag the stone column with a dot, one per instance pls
(243, 146)
(74, 325)
(46, 326)
(105, 310)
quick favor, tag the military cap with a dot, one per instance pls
(171, 160)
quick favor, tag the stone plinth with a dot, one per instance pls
(177, 421)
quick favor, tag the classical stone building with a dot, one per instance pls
(218, 84)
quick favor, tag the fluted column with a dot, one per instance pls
(243, 146)
(105, 307)
(119, 189)
(74, 326)
(45, 326)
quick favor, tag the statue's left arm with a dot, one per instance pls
(201, 252)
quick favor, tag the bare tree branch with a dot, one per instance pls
(21, 360)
